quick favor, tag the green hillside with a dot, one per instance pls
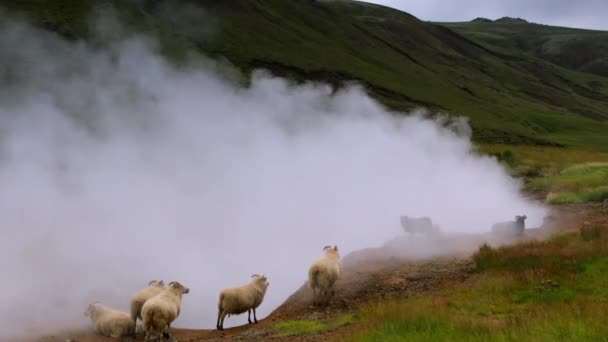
(576, 49)
(511, 95)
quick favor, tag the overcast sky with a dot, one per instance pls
(582, 13)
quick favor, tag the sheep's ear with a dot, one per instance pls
(151, 282)
(326, 247)
(254, 275)
(336, 248)
(173, 283)
(161, 283)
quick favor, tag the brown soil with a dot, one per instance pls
(388, 272)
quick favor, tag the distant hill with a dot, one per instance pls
(576, 49)
(492, 72)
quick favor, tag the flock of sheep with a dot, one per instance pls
(157, 305)
(424, 225)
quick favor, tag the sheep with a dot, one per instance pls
(109, 322)
(324, 272)
(137, 302)
(510, 228)
(422, 225)
(161, 310)
(237, 300)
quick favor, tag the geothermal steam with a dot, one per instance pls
(117, 168)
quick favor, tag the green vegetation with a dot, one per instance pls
(511, 97)
(549, 160)
(586, 182)
(303, 327)
(586, 195)
(576, 49)
(564, 176)
(543, 291)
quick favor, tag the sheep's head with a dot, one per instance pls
(179, 287)
(521, 219)
(156, 283)
(91, 309)
(261, 280)
(330, 249)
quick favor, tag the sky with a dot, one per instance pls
(583, 13)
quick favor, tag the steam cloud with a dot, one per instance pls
(117, 168)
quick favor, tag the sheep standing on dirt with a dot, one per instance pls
(418, 225)
(237, 300)
(110, 323)
(137, 302)
(510, 228)
(161, 310)
(324, 273)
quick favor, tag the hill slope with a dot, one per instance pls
(511, 97)
(576, 49)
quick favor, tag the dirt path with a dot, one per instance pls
(399, 269)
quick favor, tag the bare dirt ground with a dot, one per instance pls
(387, 272)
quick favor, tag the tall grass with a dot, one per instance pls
(560, 322)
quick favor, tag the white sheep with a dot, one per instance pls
(137, 302)
(324, 273)
(109, 322)
(161, 310)
(237, 300)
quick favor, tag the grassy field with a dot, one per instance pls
(564, 176)
(579, 183)
(543, 291)
(510, 95)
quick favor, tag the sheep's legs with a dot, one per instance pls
(255, 318)
(219, 317)
(249, 316)
(221, 320)
(166, 333)
(217, 325)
